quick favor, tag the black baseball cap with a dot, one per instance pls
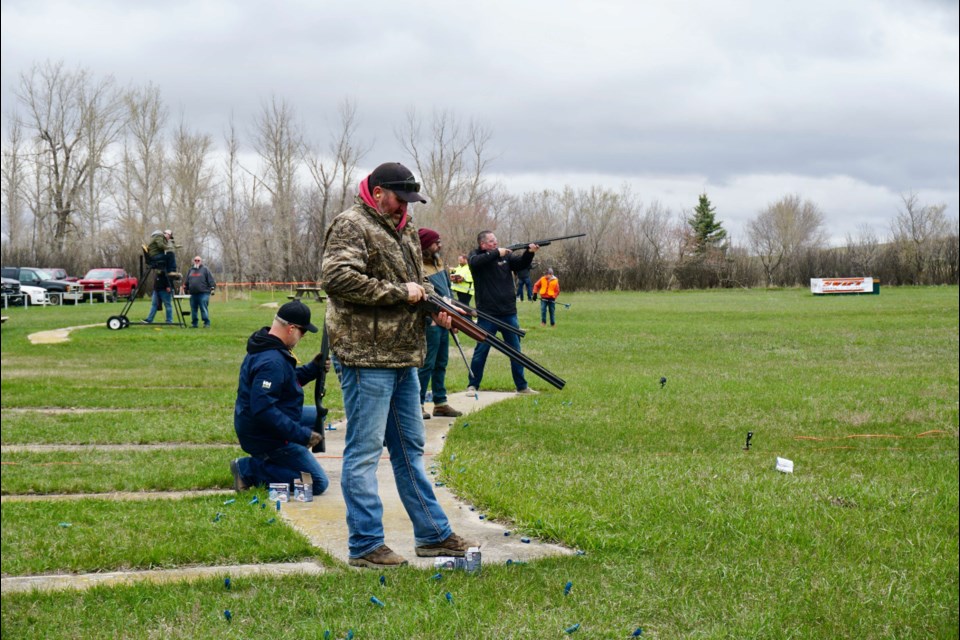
(397, 178)
(295, 312)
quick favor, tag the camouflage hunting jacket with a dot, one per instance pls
(366, 263)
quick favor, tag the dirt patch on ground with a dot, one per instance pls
(56, 335)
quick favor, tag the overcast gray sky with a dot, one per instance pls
(848, 103)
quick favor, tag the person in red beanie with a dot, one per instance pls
(433, 373)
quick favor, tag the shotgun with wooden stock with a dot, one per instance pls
(465, 325)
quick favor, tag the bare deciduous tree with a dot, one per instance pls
(333, 175)
(230, 219)
(279, 143)
(863, 251)
(783, 231)
(142, 199)
(915, 228)
(74, 119)
(191, 185)
(451, 161)
(14, 177)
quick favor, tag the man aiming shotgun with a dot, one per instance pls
(493, 267)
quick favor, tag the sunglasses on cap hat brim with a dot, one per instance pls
(406, 190)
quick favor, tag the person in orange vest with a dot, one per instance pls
(547, 288)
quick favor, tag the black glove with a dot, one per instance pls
(534, 297)
(319, 361)
(318, 444)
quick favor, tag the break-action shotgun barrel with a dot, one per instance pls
(543, 243)
(467, 326)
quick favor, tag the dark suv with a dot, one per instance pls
(11, 292)
(58, 290)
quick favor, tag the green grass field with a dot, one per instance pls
(684, 533)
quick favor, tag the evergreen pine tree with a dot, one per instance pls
(708, 232)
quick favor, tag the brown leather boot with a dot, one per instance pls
(446, 411)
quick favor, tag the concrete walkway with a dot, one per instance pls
(323, 521)
(88, 580)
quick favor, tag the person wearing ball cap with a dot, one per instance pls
(374, 279)
(268, 416)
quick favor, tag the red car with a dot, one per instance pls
(110, 282)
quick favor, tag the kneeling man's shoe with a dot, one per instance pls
(238, 483)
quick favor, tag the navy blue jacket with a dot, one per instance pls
(270, 395)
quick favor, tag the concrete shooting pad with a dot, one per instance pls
(323, 521)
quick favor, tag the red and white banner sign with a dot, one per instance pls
(841, 285)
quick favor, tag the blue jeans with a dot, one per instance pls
(383, 407)
(161, 295)
(483, 349)
(199, 301)
(285, 463)
(434, 369)
(546, 305)
(524, 282)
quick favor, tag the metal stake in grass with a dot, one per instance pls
(749, 438)
(663, 381)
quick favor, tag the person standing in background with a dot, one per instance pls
(462, 280)
(548, 288)
(200, 285)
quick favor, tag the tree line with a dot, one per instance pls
(90, 169)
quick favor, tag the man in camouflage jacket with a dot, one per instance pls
(373, 277)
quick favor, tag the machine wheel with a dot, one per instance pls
(126, 321)
(115, 323)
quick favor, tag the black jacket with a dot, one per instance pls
(493, 279)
